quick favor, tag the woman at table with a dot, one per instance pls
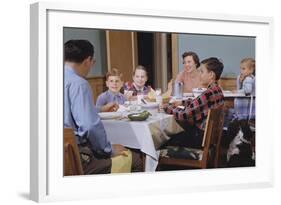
(190, 76)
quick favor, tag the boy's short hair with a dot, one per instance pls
(140, 67)
(250, 63)
(194, 56)
(78, 50)
(114, 72)
(215, 65)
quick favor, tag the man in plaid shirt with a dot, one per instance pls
(193, 113)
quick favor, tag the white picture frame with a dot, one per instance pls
(46, 155)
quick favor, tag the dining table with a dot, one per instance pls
(147, 135)
(229, 97)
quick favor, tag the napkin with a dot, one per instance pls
(121, 163)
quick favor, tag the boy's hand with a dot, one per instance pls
(110, 107)
(177, 103)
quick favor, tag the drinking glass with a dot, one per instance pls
(139, 97)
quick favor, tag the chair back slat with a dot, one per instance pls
(72, 161)
(210, 144)
(212, 135)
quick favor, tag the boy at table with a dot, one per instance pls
(193, 113)
(81, 115)
(114, 83)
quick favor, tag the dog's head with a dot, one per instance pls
(239, 152)
(237, 125)
(245, 127)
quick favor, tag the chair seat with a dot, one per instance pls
(176, 152)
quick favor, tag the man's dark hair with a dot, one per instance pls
(215, 65)
(78, 50)
(194, 56)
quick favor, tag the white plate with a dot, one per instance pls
(110, 115)
(188, 95)
(150, 105)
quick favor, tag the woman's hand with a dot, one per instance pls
(110, 107)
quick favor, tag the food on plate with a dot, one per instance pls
(165, 96)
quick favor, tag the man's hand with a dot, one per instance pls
(119, 150)
(110, 107)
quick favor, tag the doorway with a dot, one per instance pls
(154, 52)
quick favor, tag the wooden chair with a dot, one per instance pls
(72, 161)
(210, 152)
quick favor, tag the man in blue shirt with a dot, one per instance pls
(80, 113)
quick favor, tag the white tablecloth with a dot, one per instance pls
(146, 135)
(226, 93)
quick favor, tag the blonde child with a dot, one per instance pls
(244, 107)
(114, 83)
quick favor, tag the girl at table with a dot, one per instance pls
(190, 76)
(114, 83)
(244, 107)
(138, 84)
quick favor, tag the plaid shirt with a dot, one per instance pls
(131, 87)
(195, 111)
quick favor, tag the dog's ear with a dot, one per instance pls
(244, 124)
(233, 129)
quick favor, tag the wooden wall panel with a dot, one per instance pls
(121, 52)
(228, 83)
(98, 86)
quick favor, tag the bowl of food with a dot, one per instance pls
(198, 91)
(141, 116)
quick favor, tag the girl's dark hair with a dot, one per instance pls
(194, 56)
(215, 65)
(78, 50)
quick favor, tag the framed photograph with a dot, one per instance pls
(52, 24)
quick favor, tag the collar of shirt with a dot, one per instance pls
(213, 84)
(139, 90)
(114, 94)
(70, 69)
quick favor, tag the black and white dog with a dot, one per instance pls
(239, 152)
